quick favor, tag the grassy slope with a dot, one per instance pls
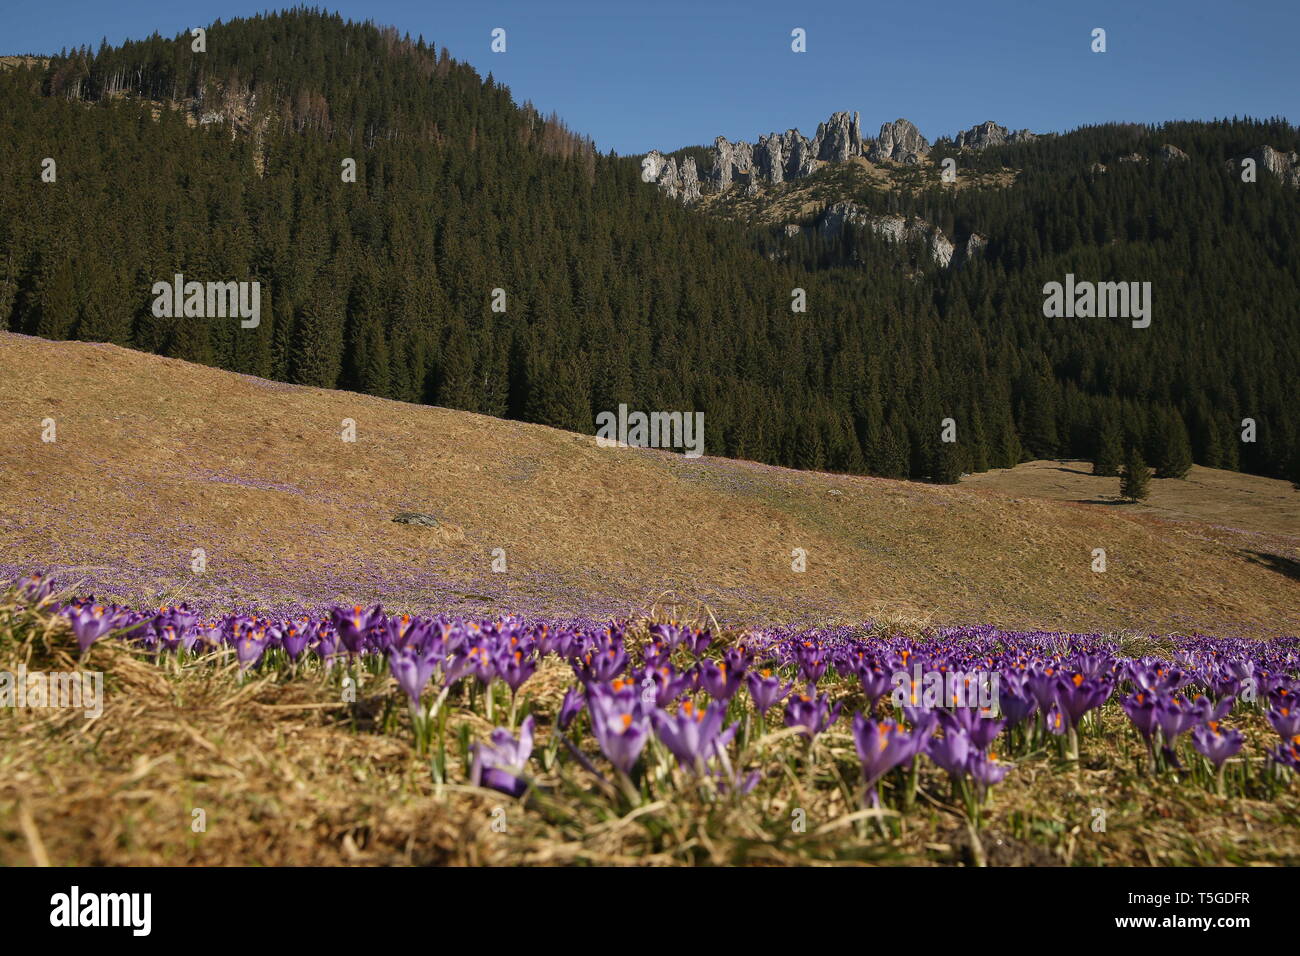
(287, 774)
(157, 457)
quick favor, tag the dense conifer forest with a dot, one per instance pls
(617, 294)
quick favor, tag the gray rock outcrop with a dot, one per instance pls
(898, 142)
(840, 138)
(894, 228)
(417, 518)
(690, 179)
(1172, 154)
(778, 158)
(1285, 166)
(989, 133)
(661, 170)
(731, 162)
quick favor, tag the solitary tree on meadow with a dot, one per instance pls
(1135, 485)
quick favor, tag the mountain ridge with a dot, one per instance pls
(388, 282)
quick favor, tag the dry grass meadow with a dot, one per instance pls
(156, 457)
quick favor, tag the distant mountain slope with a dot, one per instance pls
(229, 165)
(155, 458)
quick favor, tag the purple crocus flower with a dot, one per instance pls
(882, 745)
(516, 666)
(811, 660)
(696, 640)
(812, 714)
(326, 644)
(669, 634)
(400, 631)
(572, 705)
(1288, 754)
(1141, 710)
(34, 587)
(1216, 743)
(985, 771)
(1157, 676)
(718, 680)
(412, 668)
(950, 750)
(481, 664)
(656, 654)
(1015, 702)
(981, 730)
(1176, 715)
(1285, 719)
(354, 625)
(694, 734)
(250, 644)
(766, 690)
(1076, 695)
(501, 764)
(618, 723)
(297, 636)
(875, 681)
(1042, 684)
(90, 624)
(603, 661)
(1056, 721)
(669, 684)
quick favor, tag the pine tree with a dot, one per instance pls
(1136, 482)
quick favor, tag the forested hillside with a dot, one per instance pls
(226, 165)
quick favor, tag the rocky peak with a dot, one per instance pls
(731, 161)
(989, 133)
(690, 181)
(839, 138)
(780, 157)
(898, 142)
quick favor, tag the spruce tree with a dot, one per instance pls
(948, 463)
(1136, 482)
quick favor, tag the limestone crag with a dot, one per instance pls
(899, 229)
(690, 181)
(898, 142)
(989, 133)
(1285, 166)
(782, 156)
(731, 162)
(663, 170)
(840, 138)
(778, 158)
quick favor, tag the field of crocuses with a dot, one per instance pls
(860, 737)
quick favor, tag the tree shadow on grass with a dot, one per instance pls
(1275, 562)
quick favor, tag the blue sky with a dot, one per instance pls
(667, 73)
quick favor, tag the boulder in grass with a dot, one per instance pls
(417, 518)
